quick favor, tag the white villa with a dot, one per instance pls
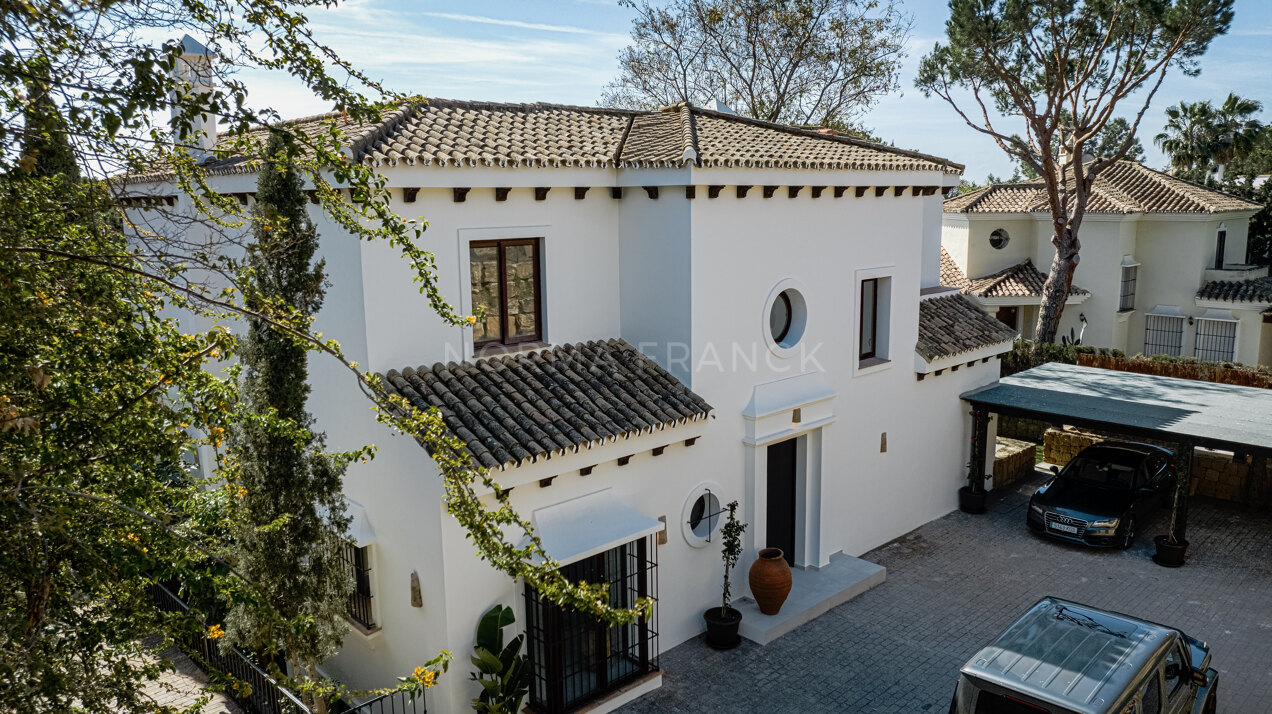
(684, 307)
(1161, 269)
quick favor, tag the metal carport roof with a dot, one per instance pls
(1223, 416)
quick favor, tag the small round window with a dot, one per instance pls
(786, 318)
(999, 238)
(702, 515)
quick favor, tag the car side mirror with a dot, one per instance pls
(1055, 469)
(1199, 678)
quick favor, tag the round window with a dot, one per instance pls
(702, 515)
(780, 317)
(786, 317)
(999, 238)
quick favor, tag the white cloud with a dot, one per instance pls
(520, 25)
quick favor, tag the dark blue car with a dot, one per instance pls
(1103, 493)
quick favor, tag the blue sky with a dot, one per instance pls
(565, 51)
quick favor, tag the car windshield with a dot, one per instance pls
(1107, 469)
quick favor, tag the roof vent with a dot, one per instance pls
(721, 107)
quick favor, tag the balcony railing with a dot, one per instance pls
(393, 703)
(262, 695)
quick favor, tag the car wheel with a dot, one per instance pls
(1128, 538)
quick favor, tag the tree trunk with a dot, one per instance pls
(1056, 290)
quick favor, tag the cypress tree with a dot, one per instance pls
(290, 508)
(46, 147)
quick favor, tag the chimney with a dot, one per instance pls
(194, 69)
(721, 107)
(827, 131)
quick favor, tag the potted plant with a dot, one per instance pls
(502, 671)
(723, 621)
(1171, 549)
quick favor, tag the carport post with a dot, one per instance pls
(980, 448)
(1183, 471)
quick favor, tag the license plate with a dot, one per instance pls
(1065, 528)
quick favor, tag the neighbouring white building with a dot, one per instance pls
(684, 307)
(1162, 265)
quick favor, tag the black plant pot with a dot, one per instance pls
(1170, 555)
(722, 628)
(971, 502)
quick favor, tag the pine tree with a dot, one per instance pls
(291, 510)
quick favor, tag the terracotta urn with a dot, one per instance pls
(770, 580)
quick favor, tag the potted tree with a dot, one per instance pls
(1171, 548)
(723, 621)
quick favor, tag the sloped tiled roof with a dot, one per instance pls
(1255, 290)
(953, 325)
(447, 133)
(541, 404)
(951, 275)
(1124, 187)
(1019, 280)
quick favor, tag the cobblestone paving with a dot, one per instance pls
(955, 583)
(184, 687)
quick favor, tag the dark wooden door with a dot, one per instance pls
(1007, 316)
(781, 498)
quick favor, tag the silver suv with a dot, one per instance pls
(1066, 658)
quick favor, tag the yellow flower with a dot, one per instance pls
(419, 672)
(471, 319)
(242, 492)
(215, 632)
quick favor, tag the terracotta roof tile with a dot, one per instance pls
(1258, 290)
(541, 404)
(953, 325)
(446, 132)
(1125, 187)
(951, 275)
(1019, 280)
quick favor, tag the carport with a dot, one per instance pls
(1184, 412)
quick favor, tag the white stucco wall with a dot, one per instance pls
(1173, 250)
(659, 272)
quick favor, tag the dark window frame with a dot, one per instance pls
(502, 246)
(575, 658)
(1130, 276)
(1221, 239)
(862, 354)
(358, 561)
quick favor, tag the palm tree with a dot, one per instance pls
(1237, 132)
(1190, 137)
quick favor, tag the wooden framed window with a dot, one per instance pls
(869, 318)
(506, 283)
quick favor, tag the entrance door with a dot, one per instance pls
(1007, 316)
(780, 523)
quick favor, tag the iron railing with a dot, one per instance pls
(391, 703)
(261, 695)
(575, 657)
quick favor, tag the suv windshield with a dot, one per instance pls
(1109, 469)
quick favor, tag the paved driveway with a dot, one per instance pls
(956, 582)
